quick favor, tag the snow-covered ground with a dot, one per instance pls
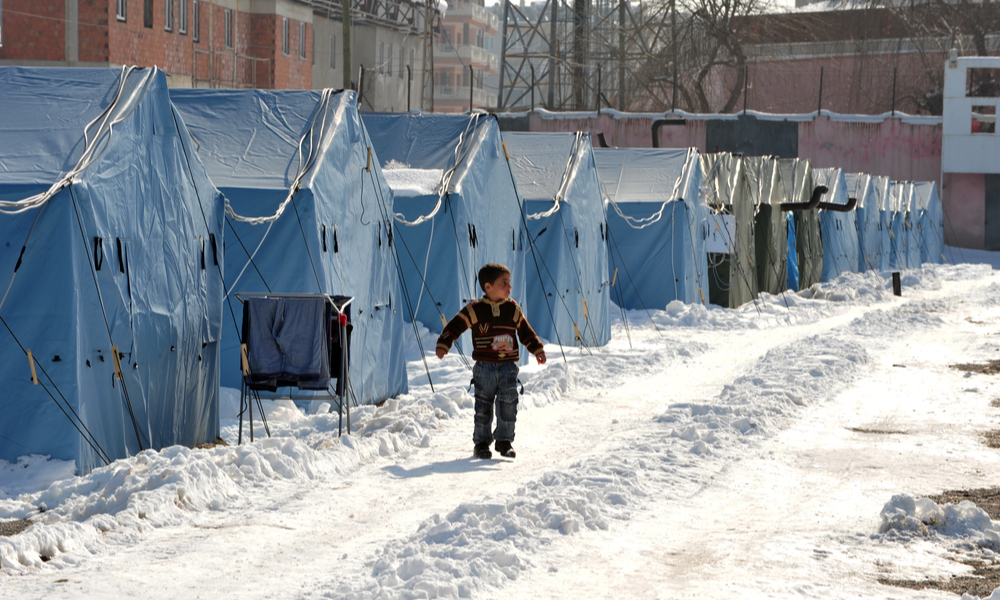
(783, 449)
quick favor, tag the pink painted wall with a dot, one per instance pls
(899, 150)
(902, 151)
(963, 196)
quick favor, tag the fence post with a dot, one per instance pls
(746, 76)
(598, 89)
(819, 107)
(532, 86)
(894, 91)
(472, 86)
(409, 86)
(361, 87)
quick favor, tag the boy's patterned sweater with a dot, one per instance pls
(493, 325)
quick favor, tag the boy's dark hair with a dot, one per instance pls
(490, 273)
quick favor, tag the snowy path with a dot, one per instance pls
(712, 459)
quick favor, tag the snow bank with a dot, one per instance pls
(964, 526)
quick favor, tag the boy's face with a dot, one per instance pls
(499, 289)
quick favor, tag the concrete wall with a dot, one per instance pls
(903, 148)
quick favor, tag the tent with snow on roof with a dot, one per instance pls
(308, 213)
(838, 224)
(732, 279)
(568, 286)
(862, 187)
(656, 226)
(112, 228)
(805, 248)
(456, 206)
(930, 222)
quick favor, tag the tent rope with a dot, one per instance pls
(93, 148)
(461, 151)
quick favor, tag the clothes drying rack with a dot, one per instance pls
(249, 392)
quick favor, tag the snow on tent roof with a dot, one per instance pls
(657, 241)
(472, 218)
(101, 270)
(568, 292)
(333, 237)
(413, 182)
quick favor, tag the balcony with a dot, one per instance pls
(478, 14)
(466, 55)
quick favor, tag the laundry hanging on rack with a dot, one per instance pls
(291, 342)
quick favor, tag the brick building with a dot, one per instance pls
(273, 44)
(462, 60)
(218, 43)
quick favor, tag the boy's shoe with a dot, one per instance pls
(482, 450)
(503, 449)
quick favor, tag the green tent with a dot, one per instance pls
(732, 274)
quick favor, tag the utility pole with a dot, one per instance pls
(503, 57)
(553, 47)
(427, 93)
(621, 55)
(345, 10)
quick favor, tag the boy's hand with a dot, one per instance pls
(440, 352)
(540, 357)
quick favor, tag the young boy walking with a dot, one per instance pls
(494, 320)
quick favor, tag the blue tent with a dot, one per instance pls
(568, 285)
(905, 240)
(839, 230)
(862, 187)
(883, 199)
(656, 221)
(457, 208)
(930, 222)
(111, 236)
(312, 210)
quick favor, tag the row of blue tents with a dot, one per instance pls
(135, 217)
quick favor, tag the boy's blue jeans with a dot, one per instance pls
(495, 382)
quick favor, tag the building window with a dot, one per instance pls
(381, 57)
(184, 17)
(388, 63)
(465, 34)
(168, 15)
(302, 40)
(333, 52)
(401, 64)
(195, 22)
(284, 36)
(147, 14)
(229, 28)
(122, 10)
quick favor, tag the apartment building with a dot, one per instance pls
(463, 63)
